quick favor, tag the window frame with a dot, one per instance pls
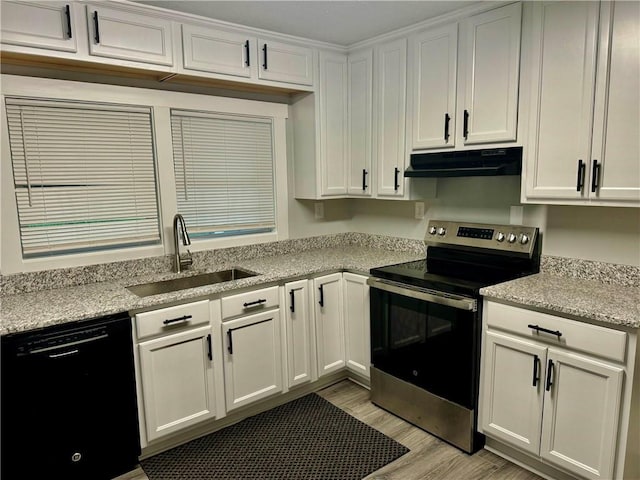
(160, 102)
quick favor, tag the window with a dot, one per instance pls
(224, 173)
(84, 175)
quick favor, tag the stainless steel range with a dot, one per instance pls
(426, 324)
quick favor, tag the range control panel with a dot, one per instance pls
(508, 238)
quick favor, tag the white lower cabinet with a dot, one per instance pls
(329, 323)
(356, 323)
(299, 334)
(176, 369)
(537, 395)
(252, 358)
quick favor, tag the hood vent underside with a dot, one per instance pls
(467, 163)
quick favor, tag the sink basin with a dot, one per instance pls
(166, 286)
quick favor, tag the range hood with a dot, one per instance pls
(467, 163)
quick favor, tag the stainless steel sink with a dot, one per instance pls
(166, 286)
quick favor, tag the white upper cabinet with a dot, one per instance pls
(126, 35)
(217, 51)
(390, 79)
(433, 55)
(617, 109)
(491, 70)
(284, 62)
(359, 118)
(48, 25)
(585, 103)
(333, 123)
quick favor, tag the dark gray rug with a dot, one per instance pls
(308, 438)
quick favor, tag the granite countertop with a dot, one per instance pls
(27, 311)
(586, 298)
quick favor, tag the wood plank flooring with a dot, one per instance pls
(429, 458)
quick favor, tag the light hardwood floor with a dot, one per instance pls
(429, 458)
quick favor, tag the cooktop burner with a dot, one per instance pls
(464, 257)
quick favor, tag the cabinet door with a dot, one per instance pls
(125, 35)
(581, 410)
(46, 25)
(300, 337)
(390, 85)
(617, 107)
(177, 381)
(360, 77)
(216, 51)
(492, 72)
(282, 62)
(253, 358)
(434, 55)
(512, 391)
(563, 75)
(333, 123)
(329, 323)
(356, 323)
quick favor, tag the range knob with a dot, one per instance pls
(511, 238)
(500, 237)
(524, 239)
(442, 231)
(432, 230)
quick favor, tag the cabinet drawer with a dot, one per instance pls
(592, 339)
(167, 320)
(249, 302)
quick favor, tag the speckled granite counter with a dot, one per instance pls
(586, 298)
(26, 311)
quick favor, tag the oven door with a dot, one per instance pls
(426, 338)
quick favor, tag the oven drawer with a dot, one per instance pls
(249, 302)
(603, 342)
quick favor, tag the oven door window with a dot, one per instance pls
(426, 344)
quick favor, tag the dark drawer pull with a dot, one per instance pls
(179, 319)
(96, 28)
(465, 125)
(321, 302)
(257, 302)
(536, 365)
(230, 342)
(364, 179)
(446, 127)
(246, 51)
(292, 292)
(595, 176)
(539, 329)
(396, 185)
(67, 12)
(264, 49)
(209, 351)
(580, 184)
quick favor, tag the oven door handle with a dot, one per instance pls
(449, 300)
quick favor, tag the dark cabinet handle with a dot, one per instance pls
(67, 12)
(581, 169)
(292, 293)
(595, 176)
(549, 376)
(209, 351)
(539, 329)
(246, 51)
(395, 179)
(257, 302)
(465, 127)
(364, 179)
(446, 127)
(321, 302)
(230, 342)
(264, 49)
(96, 28)
(178, 319)
(536, 376)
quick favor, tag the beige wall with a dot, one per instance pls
(592, 233)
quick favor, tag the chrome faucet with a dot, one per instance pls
(180, 262)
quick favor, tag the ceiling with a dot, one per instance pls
(339, 22)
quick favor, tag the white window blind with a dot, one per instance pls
(84, 175)
(223, 168)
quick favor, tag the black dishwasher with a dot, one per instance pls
(69, 405)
